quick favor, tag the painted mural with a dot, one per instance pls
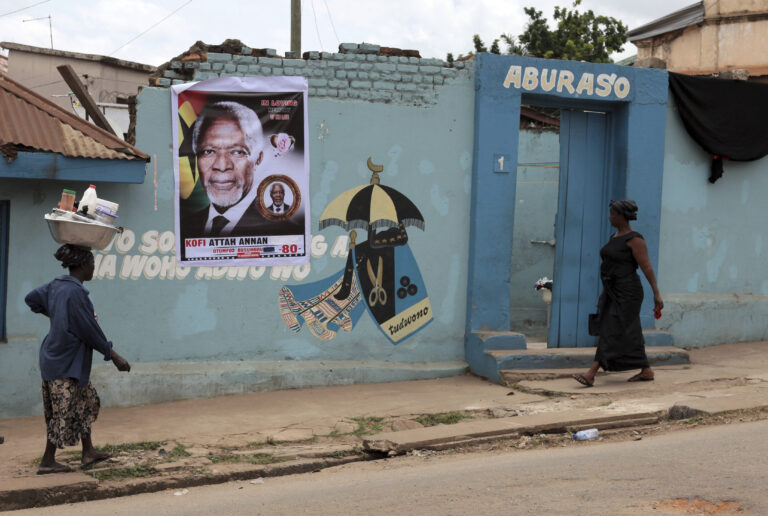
(242, 171)
(381, 276)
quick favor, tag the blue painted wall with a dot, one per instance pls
(712, 267)
(203, 332)
(206, 332)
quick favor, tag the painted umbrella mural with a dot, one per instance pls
(382, 271)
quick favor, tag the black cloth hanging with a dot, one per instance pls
(728, 118)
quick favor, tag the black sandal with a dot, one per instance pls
(583, 380)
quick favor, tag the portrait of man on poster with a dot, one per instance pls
(277, 194)
(228, 145)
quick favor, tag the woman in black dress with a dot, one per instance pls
(621, 346)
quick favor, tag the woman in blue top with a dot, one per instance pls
(70, 402)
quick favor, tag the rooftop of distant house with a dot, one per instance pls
(78, 55)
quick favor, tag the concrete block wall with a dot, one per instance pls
(357, 71)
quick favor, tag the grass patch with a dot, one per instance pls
(114, 449)
(269, 441)
(178, 452)
(368, 425)
(272, 442)
(443, 418)
(123, 473)
(606, 403)
(75, 455)
(258, 458)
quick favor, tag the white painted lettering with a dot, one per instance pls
(548, 79)
(125, 241)
(586, 84)
(318, 247)
(530, 78)
(149, 242)
(565, 80)
(281, 272)
(168, 268)
(301, 271)
(182, 272)
(340, 247)
(603, 85)
(167, 242)
(256, 272)
(204, 273)
(108, 267)
(514, 75)
(133, 265)
(621, 88)
(152, 267)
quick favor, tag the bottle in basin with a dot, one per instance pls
(88, 202)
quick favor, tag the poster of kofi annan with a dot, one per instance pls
(241, 170)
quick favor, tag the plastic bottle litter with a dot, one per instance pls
(88, 202)
(67, 202)
(583, 435)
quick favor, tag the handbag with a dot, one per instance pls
(594, 325)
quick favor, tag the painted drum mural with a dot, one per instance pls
(381, 275)
(241, 171)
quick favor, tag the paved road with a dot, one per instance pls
(723, 463)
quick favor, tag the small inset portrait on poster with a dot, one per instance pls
(279, 197)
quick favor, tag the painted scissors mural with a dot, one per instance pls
(381, 271)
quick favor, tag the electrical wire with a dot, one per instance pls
(331, 20)
(152, 27)
(317, 29)
(24, 8)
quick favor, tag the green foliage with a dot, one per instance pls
(257, 458)
(368, 425)
(577, 36)
(114, 449)
(178, 452)
(479, 45)
(123, 473)
(443, 418)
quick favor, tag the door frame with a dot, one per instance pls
(502, 84)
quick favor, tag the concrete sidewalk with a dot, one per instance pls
(187, 443)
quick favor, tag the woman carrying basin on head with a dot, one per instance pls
(70, 402)
(621, 346)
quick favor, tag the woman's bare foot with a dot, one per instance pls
(584, 379)
(645, 375)
(93, 456)
(52, 467)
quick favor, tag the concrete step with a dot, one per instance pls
(574, 358)
(513, 376)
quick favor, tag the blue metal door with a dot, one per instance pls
(580, 226)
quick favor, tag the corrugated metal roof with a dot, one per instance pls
(681, 19)
(32, 122)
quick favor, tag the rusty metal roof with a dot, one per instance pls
(30, 122)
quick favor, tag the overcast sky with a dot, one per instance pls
(434, 27)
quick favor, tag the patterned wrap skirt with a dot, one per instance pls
(70, 410)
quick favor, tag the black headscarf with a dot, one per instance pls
(72, 255)
(626, 208)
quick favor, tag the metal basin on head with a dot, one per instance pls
(87, 234)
